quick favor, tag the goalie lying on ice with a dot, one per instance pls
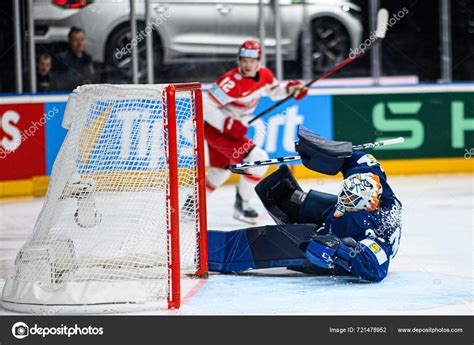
(356, 232)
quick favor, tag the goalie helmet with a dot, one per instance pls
(250, 49)
(359, 192)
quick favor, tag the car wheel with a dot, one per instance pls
(331, 44)
(119, 55)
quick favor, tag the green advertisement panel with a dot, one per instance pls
(433, 124)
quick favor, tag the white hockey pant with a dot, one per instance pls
(216, 176)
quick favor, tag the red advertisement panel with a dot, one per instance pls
(22, 141)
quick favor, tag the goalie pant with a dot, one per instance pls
(375, 235)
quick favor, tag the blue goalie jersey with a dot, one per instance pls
(378, 231)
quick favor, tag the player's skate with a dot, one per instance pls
(243, 211)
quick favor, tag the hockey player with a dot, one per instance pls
(227, 108)
(356, 232)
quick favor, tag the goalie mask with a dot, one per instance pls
(359, 192)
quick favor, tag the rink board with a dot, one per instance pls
(437, 122)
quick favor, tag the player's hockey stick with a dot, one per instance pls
(382, 19)
(240, 168)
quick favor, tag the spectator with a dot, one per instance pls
(75, 63)
(44, 79)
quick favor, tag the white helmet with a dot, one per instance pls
(359, 192)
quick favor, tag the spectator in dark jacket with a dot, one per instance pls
(45, 79)
(75, 64)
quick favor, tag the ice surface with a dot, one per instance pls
(431, 274)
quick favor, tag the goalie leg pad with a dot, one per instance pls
(275, 192)
(316, 207)
(318, 271)
(260, 247)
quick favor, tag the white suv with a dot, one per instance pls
(198, 30)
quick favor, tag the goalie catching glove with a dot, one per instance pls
(365, 259)
(327, 251)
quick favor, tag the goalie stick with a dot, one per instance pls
(382, 19)
(241, 167)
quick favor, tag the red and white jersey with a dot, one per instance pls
(237, 96)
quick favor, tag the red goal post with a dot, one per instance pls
(174, 298)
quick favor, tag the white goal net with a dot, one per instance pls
(111, 235)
